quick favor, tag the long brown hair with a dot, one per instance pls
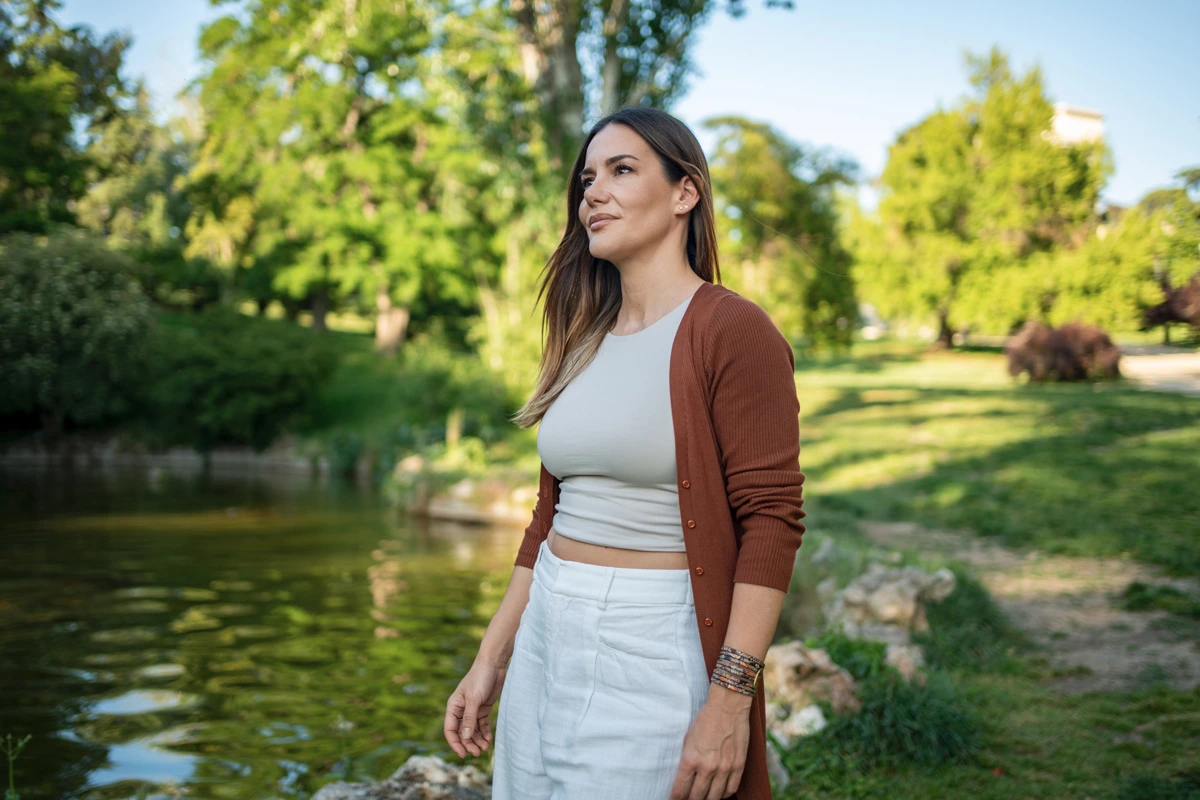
(583, 293)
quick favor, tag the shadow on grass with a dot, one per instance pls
(1103, 472)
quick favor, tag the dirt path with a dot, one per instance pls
(1163, 369)
(1069, 605)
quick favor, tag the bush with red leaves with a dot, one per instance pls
(1074, 352)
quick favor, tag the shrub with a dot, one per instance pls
(900, 724)
(1150, 787)
(863, 659)
(224, 378)
(1073, 352)
(1139, 596)
(968, 632)
(74, 326)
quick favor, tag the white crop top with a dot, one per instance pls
(609, 438)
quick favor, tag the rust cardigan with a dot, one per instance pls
(737, 446)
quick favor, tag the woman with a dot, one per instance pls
(649, 582)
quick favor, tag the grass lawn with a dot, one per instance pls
(1039, 745)
(950, 440)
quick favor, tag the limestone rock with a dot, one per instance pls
(797, 676)
(804, 722)
(419, 778)
(885, 604)
(908, 660)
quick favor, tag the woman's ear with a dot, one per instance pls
(686, 195)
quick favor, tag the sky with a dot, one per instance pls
(848, 77)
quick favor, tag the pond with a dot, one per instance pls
(170, 635)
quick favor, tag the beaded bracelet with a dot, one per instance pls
(738, 671)
(739, 682)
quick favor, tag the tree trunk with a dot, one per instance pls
(291, 309)
(1166, 333)
(945, 338)
(320, 307)
(390, 325)
(610, 89)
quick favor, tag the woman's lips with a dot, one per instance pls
(600, 223)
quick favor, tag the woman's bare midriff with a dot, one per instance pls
(587, 553)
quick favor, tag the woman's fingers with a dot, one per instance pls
(735, 779)
(701, 785)
(483, 733)
(454, 708)
(468, 729)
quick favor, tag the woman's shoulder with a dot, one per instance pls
(738, 326)
(738, 318)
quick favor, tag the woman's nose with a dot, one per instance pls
(591, 192)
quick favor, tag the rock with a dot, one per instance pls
(787, 725)
(908, 660)
(803, 722)
(419, 778)
(797, 676)
(886, 604)
(826, 551)
(775, 769)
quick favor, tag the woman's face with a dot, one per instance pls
(629, 206)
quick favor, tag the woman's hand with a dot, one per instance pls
(714, 750)
(467, 711)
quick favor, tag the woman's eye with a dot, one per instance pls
(586, 182)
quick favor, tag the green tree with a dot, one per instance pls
(970, 197)
(329, 173)
(135, 200)
(587, 58)
(778, 220)
(73, 329)
(57, 86)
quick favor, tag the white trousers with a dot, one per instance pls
(606, 676)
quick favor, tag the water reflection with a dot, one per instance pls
(242, 638)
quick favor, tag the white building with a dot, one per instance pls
(1076, 124)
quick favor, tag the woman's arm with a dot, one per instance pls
(497, 645)
(755, 414)
(467, 726)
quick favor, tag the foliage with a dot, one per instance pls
(863, 659)
(972, 193)
(135, 200)
(57, 85)
(1144, 786)
(1073, 352)
(1140, 596)
(900, 723)
(73, 329)
(585, 59)
(410, 398)
(780, 240)
(12, 749)
(332, 173)
(223, 378)
(968, 632)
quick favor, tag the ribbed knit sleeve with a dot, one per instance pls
(539, 525)
(755, 412)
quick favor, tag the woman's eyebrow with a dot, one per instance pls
(607, 162)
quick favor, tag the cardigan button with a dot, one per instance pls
(708, 621)
(687, 484)
(691, 523)
(699, 570)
